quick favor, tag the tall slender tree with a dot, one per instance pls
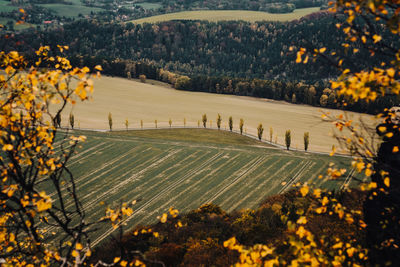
(71, 120)
(219, 120)
(241, 124)
(306, 140)
(110, 121)
(288, 139)
(260, 130)
(230, 123)
(204, 119)
(271, 133)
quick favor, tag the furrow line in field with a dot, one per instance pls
(89, 204)
(247, 185)
(294, 178)
(126, 181)
(250, 193)
(147, 203)
(277, 172)
(319, 181)
(192, 170)
(149, 181)
(80, 155)
(105, 165)
(116, 166)
(347, 180)
(253, 166)
(69, 164)
(161, 181)
(168, 203)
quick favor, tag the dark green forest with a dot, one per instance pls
(252, 59)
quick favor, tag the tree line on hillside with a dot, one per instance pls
(315, 94)
(272, 6)
(264, 50)
(251, 59)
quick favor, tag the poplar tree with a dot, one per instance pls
(260, 130)
(306, 140)
(271, 133)
(241, 124)
(288, 139)
(71, 120)
(230, 123)
(204, 119)
(219, 120)
(110, 122)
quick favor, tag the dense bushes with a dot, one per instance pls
(200, 240)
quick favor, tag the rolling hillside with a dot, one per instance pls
(208, 166)
(135, 101)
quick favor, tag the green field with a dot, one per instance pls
(220, 15)
(5, 6)
(184, 169)
(72, 10)
(147, 5)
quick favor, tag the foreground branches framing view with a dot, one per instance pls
(35, 152)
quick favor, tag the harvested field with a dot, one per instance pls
(135, 101)
(227, 169)
(221, 15)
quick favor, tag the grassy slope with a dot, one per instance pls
(186, 168)
(135, 101)
(71, 10)
(219, 15)
(6, 7)
(192, 135)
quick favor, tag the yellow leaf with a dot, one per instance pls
(368, 172)
(322, 50)
(395, 149)
(377, 38)
(389, 134)
(116, 259)
(304, 190)
(386, 181)
(8, 147)
(78, 246)
(302, 220)
(298, 59)
(325, 201)
(74, 253)
(164, 218)
(43, 205)
(98, 67)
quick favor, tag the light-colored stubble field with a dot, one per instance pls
(135, 101)
(221, 15)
